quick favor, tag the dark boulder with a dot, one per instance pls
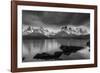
(88, 43)
(47, 56)
(57, 54)
(67, 50)
(42, 56)
(23, 58)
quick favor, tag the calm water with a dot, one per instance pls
(35, 46)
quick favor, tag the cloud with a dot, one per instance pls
(54, 19)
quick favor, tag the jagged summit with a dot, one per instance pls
(41, 30)
(76, 30)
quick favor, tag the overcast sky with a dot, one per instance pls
(53, 20)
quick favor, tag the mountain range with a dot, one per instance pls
(40, 32)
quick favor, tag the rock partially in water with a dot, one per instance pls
(47, 56)
(23, 58)
(58, 54)
(67, 50)
(88, 43)
(42, 56)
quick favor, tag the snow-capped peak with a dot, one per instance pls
(41, 30)
(77, 30)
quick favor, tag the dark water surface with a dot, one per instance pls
(32, 47)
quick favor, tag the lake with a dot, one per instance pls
(34, 46)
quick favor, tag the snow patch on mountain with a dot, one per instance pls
(76, 30)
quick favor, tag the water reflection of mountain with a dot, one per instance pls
(41, 36)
